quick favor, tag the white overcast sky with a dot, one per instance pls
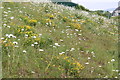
(98, 4)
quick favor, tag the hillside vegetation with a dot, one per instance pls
(46, 40)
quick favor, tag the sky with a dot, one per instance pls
(98, 4)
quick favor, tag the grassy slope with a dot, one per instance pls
(0, 36)
(96, 37)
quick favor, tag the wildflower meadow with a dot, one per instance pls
(47, 40)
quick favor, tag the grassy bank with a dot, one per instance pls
(47, 40)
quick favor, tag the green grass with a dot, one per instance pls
(87, 36)
(0, 36)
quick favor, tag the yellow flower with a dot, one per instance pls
(72, 16)
(48, 20)
(32, 21)
(75, 68)
(65, 57)
(6, 45)
(83, 21)
(68, 60)
(76, 25)
(65, 17)
(51, 16)
(53, 65)
(28, 27)
(78, 64)
(73, 20)
(12, 23)
(18, 30)
(9, 44)
(37, 39)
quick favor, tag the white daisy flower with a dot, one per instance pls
(4, 41)
(91, 71)
(72, 49)
(116, 77)
(4, 24)
(2, 38)
(26, 35)
(11, 17)
(8, 26)
(112, 60)
(20, 11)
(67, 26)
(8, 55)
(14, 36)
(92, 52)
(89, 58)
(87, 63)
(9, 11)
(117, 70)
(32, 44)
(16, 46)
(40, 35)
(5, 15)
(56, 44)
(79, 34)
(1, 7)
(22, 29)
(41, 50)
(108, 62)
(34, 37)
(61, 53)
(61, 40)
(100, 66)
(24, 51)
(5, 12)
(9, 8)
(76, 30)
(15, 42)
(32, 72)
(35, 42)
